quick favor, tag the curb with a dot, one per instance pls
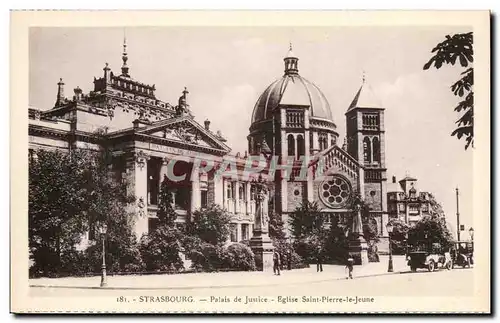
(213, 286)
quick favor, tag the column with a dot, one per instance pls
(195, 190)
(248, 199)
(137, 163)
(315, 147)
(219, 190)
(237, 197)
(238, 232)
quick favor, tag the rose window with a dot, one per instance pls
(335, 192)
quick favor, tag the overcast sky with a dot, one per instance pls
(226, 69)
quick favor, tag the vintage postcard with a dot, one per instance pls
(250, 162)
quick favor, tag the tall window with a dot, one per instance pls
(234, 232)
(367, 150)
(244, 231)
(300, 146)
(204, 199)
(376, 150)
(229, 190)
(291, 145)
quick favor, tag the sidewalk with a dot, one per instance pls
(225, 279)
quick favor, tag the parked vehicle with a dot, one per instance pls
(431, 258)
(463, 253)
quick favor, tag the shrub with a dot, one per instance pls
(208, 257)
(211, 225)
(160, 250)
(239, 257)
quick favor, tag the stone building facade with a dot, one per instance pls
(291, 119)
(406, 202)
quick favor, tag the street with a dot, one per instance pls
(457, 283)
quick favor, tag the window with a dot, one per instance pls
(376, 150)
(244, 231)
(401, 207)
(241, 191)
(301, 148)
(229, 190)
(291, 145)
(204, 199)
(234, 232)
(367, 150)
(335, 192)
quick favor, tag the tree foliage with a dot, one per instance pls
(430, 230)
(70, 194)
(459, 47)
(398, 236)
(211, 225)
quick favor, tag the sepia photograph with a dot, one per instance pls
(268, 168)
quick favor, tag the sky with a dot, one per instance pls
(226, 69)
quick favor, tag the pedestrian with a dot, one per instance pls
(289, 260)
(350, 267)
(319, 260)
(276, 263)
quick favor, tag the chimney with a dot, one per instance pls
(394, 179)
(207, 125)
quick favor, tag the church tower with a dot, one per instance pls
(366, 143)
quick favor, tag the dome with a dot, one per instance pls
(292, 89)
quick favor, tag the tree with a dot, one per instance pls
(211, 225)
(166, 212)
(459, 46)
(161, 247)
(70, 194)
(306, 220)
(435, 207)
(307, 225)
(428, 231)
(398, 236)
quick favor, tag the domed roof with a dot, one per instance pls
(291, 89)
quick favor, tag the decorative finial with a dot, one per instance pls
(290, 45)
(364, 76)
(124, 56)
(107, 64)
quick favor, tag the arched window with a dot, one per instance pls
(291, 145)
(367, 150)
(376, 150)
(301, 149)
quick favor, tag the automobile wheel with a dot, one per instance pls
(414, 269)
(431, 266)
(449, 265)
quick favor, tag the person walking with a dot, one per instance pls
(319, 260)
(350, 267)
(276, 263)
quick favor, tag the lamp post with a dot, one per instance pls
(102, 231)
(471, 233)
(389, 231)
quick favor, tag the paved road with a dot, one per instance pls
(457, 282)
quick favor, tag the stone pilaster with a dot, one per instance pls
(195, 190)
(137, 163)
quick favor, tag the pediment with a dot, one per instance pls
(186, 131)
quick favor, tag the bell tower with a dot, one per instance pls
(366, 142)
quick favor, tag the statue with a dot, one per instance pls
(261, 214)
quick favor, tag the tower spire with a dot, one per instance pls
(125, 57)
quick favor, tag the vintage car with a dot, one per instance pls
(430, 258)
(463, 253)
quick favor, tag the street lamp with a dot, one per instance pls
(102, 230)
(471, 233)
(389, 231)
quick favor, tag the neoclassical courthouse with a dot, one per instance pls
(291, 119)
